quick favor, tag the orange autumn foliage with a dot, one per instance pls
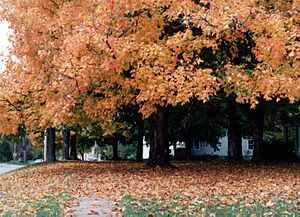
(74, 58)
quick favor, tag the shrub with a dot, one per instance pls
(5, 152)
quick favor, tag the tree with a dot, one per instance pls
(148, 54)
(158, 143)
(234, 134)
(66, 142)
(49, 152)
(113, 61)
(257, 121)
(73, 145)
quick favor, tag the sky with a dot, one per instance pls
(4, 43)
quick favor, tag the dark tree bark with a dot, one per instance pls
(257, 120)
(151, 142)
(239, 147)
(15, 152)
(66, 141)
(82, 155)
(139, 150)
(168, 152)
(115, 146)
(73, 144)
(188, 148)
(49, 152)
(234, 135)
(158, 155)
(25, 143)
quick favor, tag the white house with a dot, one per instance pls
(202, 148)
(94, 154)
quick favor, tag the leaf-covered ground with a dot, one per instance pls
(191, 189)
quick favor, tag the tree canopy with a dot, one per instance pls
(85, 60)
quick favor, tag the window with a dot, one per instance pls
(250, 144)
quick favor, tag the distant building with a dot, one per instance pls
(204, 149)
(94, 154)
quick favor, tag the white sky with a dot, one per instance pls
(4, 43)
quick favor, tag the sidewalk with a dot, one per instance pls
(92, 207)
(4, 168)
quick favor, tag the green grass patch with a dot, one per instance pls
(179, 207)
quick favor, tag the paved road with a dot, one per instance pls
(4, 168)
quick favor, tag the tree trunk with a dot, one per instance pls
(73, 144)
(24, 148)
(139, 150)
(49, 149)
(234, 135)
(158, 155)
(15, 152)
(66, 141)
(115, 146)
(151, 142)
(188, 148)
(82, 155)
(257, 120)
(168, 152)
(174, 147)
(239, 147)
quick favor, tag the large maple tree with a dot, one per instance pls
(101, 55)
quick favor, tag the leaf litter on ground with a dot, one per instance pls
(192, 187)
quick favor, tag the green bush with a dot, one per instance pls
(127, 152)
(5, 152)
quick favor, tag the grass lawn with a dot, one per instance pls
(193, 189)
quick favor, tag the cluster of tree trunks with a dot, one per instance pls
(159, 145)
(69, 142)
(234, 134)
